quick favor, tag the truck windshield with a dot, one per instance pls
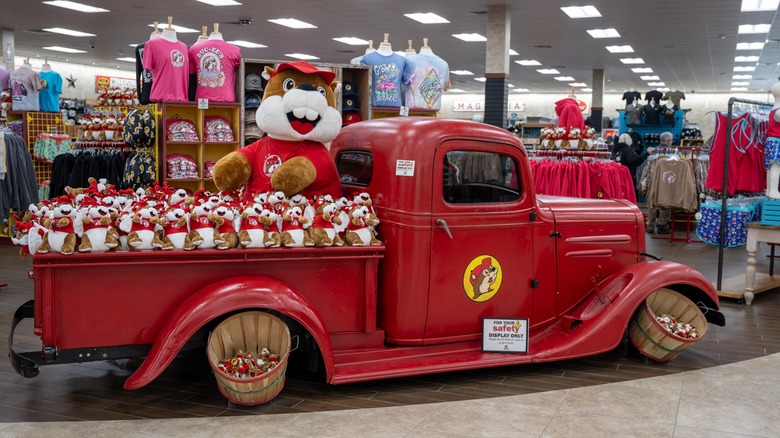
(355, 167)
(480, 177)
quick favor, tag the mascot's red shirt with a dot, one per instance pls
(266, 154)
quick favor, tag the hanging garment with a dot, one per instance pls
(652, 114)
(19, 188)
(633, 115)
(672, 185)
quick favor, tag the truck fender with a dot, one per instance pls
(597, 325)
(221, 298)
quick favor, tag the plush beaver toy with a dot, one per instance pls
(298, 112)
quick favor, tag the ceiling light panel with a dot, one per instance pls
(604, 33)
(454, 90)
(528, 62)
(470, 37)
(587, 90)
(300, 56)
(738, 88)
(664, 89)
(620, 49)
(247, 44)
(746, 59)
(64, 49)
(480, 79)
(642, 70)
(179, 29)
(69, 32)
(293, 23)
(520, 90)
(632, 60)
(750, 68)
(564, 78)
(578, 84)
(750, 46)
(77, 7)
(649, 78)
(352, 41)
(754, 28)
(742, 77)
(513, 53)
(581, 11)
(462, 73)
(656, 84)
(759, 5)
(427, 18)
(548, 71)
(220, 2)
(126, 59)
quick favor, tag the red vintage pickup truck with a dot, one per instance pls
(465, 239)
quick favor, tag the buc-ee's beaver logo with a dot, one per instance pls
(482, 278)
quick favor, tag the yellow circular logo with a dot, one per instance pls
(482, 278)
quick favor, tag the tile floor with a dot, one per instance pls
(725, 386)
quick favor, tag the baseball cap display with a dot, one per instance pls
(250, 117)
(252, 101)
(252, 133)
(348, 89)
(350, 118)
(350, 104)
(253, 82)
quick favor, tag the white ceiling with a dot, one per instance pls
(689, 44)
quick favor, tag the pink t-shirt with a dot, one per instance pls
(169, 64)
(214, 63)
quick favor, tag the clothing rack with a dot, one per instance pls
(572, 153)
(752, 106)
(101, 144)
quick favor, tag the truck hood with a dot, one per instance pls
(585, 210)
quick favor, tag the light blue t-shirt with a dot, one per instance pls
(425, 77)
(386, 73)
(50, 96)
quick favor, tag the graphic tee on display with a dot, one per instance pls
(425, 77)
(386, 73)
(50, 95)
(214, 63)
(169, 63)
(143, 77)
(25, 85)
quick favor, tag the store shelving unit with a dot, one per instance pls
(201, 150)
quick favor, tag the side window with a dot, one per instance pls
(480, 177)
(356, 167)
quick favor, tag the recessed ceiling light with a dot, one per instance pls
(750, 46)
(480, 79)
(247, 44)
(528, 62)
(742, 77)
(664, 89)
(564, 78)
(293, 23)
(300, 56)
(510, 85)
(748, 68)
(69, 32)
(746, 59)
(759, 5)
(133, 45)
(620, 49)
(64, 49)
(649, 78)
(548, 71)
(604, 33)
(126, 59)
(578, 84)
(513, 53)
(352, 41)
(76, 6)
(427, 18)
(738, 88)
(587, 90)
(754, 28)
(462, 73)
(656, 84)
(642, 70)
(581, 11)
(470, 37)
(179, 29)
(220, 2)
(632, 60)
(740, 83)
(520, 90)
(455, 90)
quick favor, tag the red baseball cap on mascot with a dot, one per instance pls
(486, 262)
(306, 68)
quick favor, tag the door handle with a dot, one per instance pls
(442, 223)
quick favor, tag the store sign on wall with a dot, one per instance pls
(479, 105)
(105, 82)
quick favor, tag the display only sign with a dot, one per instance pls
(106, 82)
(505, 335)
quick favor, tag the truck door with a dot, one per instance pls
(481, 242)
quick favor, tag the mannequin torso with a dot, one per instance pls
(385, 49)
(169, 35)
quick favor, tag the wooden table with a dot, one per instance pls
(757, 233)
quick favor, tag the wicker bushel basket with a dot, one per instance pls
(250, 331)
(651, 338)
